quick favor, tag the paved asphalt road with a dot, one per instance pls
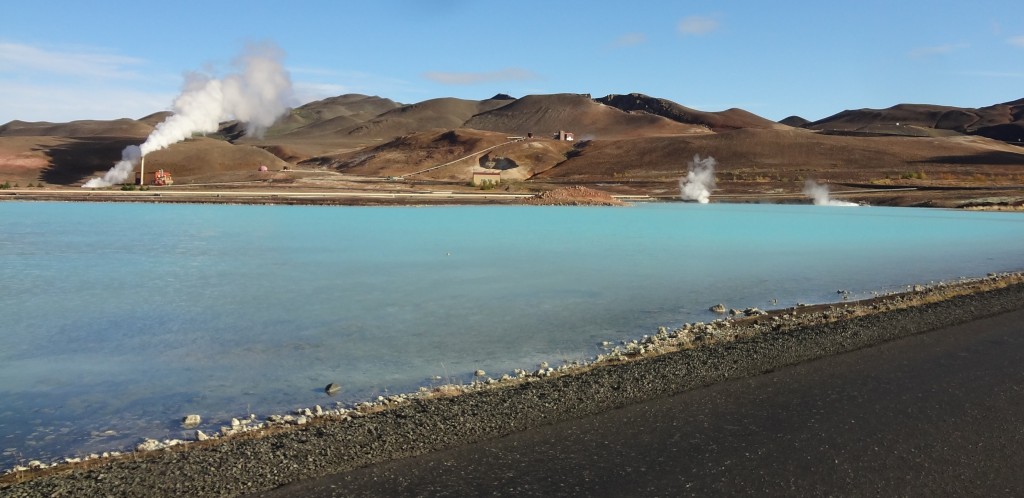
(938, 414)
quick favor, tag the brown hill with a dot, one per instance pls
(1001, 121)
(795, 121)
(730, 119)
(58, 160)
(429, 114)
(926, 116)
(546, 114)
(199, 160)
(630, 140)
(333, 113)
(85, 128)
(72, 161)
(156, 118)
(755, 155)
(451, 155)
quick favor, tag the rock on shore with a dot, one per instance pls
(574, 196)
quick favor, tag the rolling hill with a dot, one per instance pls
(632, 140)
(1000, 121)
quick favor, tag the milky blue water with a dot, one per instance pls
(116, 320)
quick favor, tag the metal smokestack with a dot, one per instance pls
(142, 171)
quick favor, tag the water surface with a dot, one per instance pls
(119, 319)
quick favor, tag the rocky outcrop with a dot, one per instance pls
(574, 196)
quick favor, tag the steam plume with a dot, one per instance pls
(700, 179)
(256, 95)
(819, 193)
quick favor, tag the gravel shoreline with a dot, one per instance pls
(672, 361)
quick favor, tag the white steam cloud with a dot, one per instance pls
(699, 180)
(820, 194)
(256, 95)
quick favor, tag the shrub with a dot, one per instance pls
(5, 185)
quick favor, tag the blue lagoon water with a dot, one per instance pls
(116, 320)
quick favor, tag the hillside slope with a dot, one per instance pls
(731, 119)
(1000, 121)
(547, 114)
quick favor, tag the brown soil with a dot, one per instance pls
(626, 145)
(573, 196)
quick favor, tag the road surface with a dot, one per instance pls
(938, 414)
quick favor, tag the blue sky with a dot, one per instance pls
(66, 60)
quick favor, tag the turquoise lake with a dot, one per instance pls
(119, 319)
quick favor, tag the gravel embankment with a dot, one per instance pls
(250, 463)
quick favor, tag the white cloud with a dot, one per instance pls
(65, 84)
(315, 83)
(61, 103)
(1016, 41)
(698, 25)
(306, 92)
(937, 50)
(630, 40)
(508, 74)
(17, 57)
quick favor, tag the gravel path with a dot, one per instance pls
(251, 463)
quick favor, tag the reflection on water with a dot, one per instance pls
(118, 319)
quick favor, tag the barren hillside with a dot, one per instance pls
(774, 155)
(546, 114)
(1001, 121)
(731, 119)
(638, 143)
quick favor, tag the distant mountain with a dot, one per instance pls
(1001, 121)
(631, 137)
(731, 119)
(795, 121)
(539, 114)
(85, 128)
(435, 113)
(578, 113)
(417, 152)
(331, 113)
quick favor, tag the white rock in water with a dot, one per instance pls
(191, 421)
(479, 373)
(332, 389)
(201, 436)
(235, 422)
(149, 445)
